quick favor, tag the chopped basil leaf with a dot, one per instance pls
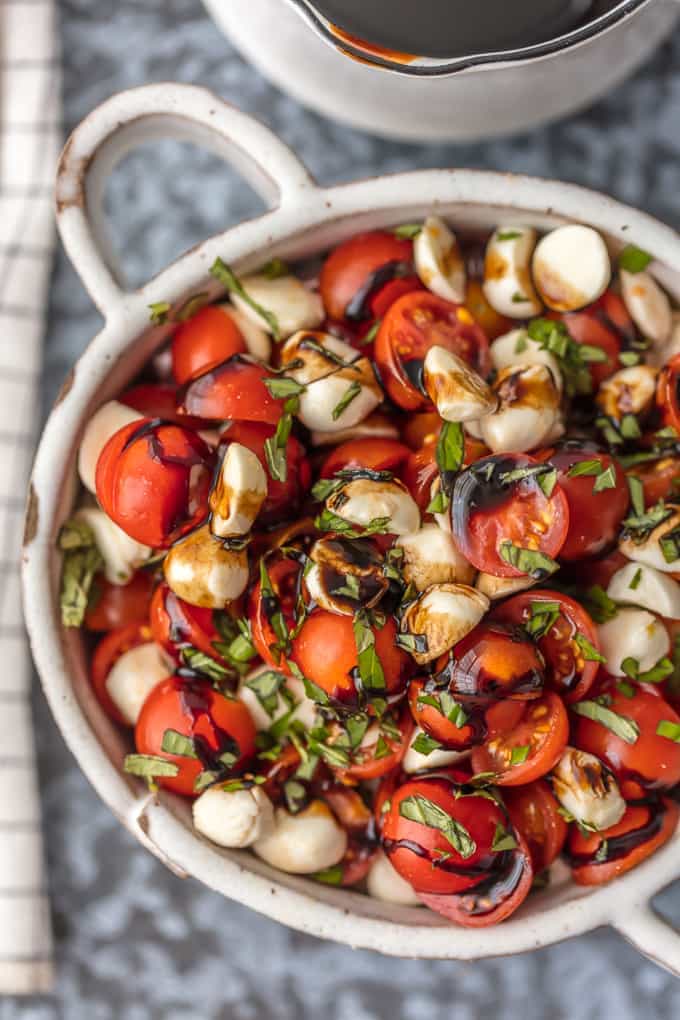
(519, 755)
(605, 480)
(275, 269)
(81, 562)
(553, 336)
(382, 749)
(199, 662)
(350, 587)
(329, 876)
(350, 394)
(225, 274)
(355, 728)
(328, 521)
(602, 852)
(205, 779)
(295, 795)
(629, 427)
(160, 311)
(369, 665)
(417, 808)
(623, 687)
(635, 580)
(267, 687)
(634, 259)
(439, 503)
(543, 616)
(518, 298)
(149, 766)
(639, 526)
(179, 744)
(521, 344)
(589, 652)
(275, 446)
(637, 495)
(585, 467)
(629, 358)
(191, 306)
(670, 545)
(659, 671)
(503, 840)
(668, 729)
(507, 235)
(623, 727)
(598, 604)
(413, 642)
(407, 231)
(450, 451)
(547, 480)
(325, 487)
(425, 744)
(283, 387)
(369, 337)
(529, 561)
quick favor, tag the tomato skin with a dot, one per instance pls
(436, 724)
(194, 709)
(533, 811)
(605, 324)
(366, 766)
(119, 605)
(460, 908)
(375, 454)
(284, 575)
(491, 663)
(587, 871)
(594, 517)
(175, 624)
(667, 393)
(567, 671)
(391, 292)
(660, 479)
(206, 339)
(153, 480)
(418, 430)
(653, 761)
(106, 654)
(480, 817)
(325, 650)
(233, 389)
(486, 511)
(544, 728)
(349, 266)
(412, 325)
(493, 324)
(283, 498)
(419, 472)
(158, 400)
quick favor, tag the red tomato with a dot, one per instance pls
(233, 389)
(411, 326)
(104, 658)
(568, 670)
(283, 498)
(535, 743)
(391, 292)
(642, 830)
(367, 763)
(594, 517)
(153, 480)
(597, 572)
(491, 663)
(206, 339)
(284, 577)
(493, 324)
(417, 430)
(534, 812)
(375, 454)
(660, 479)
(488, 511)
(118, 605)
(667, 393)
(217, 725)
(422, 853)
(495, 898)
(605, 324)
(358, 268)
(158, 400)
(175, 624)
(325, 650)
(421, 468)
(652, 761)
(441, 722)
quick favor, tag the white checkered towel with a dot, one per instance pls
(29, 142)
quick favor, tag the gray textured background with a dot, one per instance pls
(132, 941)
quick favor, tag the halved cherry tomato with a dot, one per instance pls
(440, 717)
(326, 651)
(642, 830)
(494, 508)
(528, 749)
(491, 663)
(596, 572)
(221, 729)
(158, 400)
(660, 479)
(284, 577)
(385, 297)
(175, 624)
(425, 852)
(234, 389)
(495, 898)
(411, 326)
(493, 324)
(417, 430)
(568, 643)
(104, 658)
(206, 339)
(283, 498)
(421, 468)
(118, 605)
(534, 811)
(378, 757)
(375, 454)
(668, 393)
(153, 480)
(652, 761)
(359, 268)
(595, 514)
(605, 324)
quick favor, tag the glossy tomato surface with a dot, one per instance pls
(375, 454)
(605, 324)
(534, 812)
(668, 393)
(233, 389)
(158, 400)
(381, 751)
(528, 748)
(106, 654)
(206, 339)
(118, 605)
(271, 611)
(176, 625)
(358, 269)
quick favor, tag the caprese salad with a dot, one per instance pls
(380, 559)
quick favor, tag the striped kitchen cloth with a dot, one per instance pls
(30, 136)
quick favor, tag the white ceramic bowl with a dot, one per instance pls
(304, 219)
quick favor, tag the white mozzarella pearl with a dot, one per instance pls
(456, 390)
(322, 403)
(363, 500)
(200, 570)
(442, 615)
(571, 267)
(628, 391)
(650, 551)
(234, 819)
(587, 790)
(286, 298)
(386, 884)
(121, 554)
(633, 634)
(438, 260)
(105, 422)
(498, 587)
(648, 306)
(508, 286)
(376, 426)
(132, 678)
(301, 844)
(516, 349)
(529, 413)
(646, 587)
(430, 556)
(239, 491)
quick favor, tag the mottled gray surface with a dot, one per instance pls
(132, 941)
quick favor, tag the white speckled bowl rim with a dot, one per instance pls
(304, 219)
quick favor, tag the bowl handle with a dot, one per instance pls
(135, 117)
(655, 937)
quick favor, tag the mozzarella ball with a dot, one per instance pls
(438, 260)
(333, 562)
(342, 400)
(456, 390)
(304, 843)
(132, 678)
(529, 414)
(203, 572)
(628, 391)
(649, 551)
(233, 818)
(105, 421)
(289, 301)
(499, 587)
(587, 790)
(516, 349)
(646, 587)
(256, 340)
(571, 267)
(430, 556)
(633, 634)
(648, 306)
(363, 500)
(508, 286)
(239, 491)
(441, 616)
(386, 884)
(413, 761)
(121, 554)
